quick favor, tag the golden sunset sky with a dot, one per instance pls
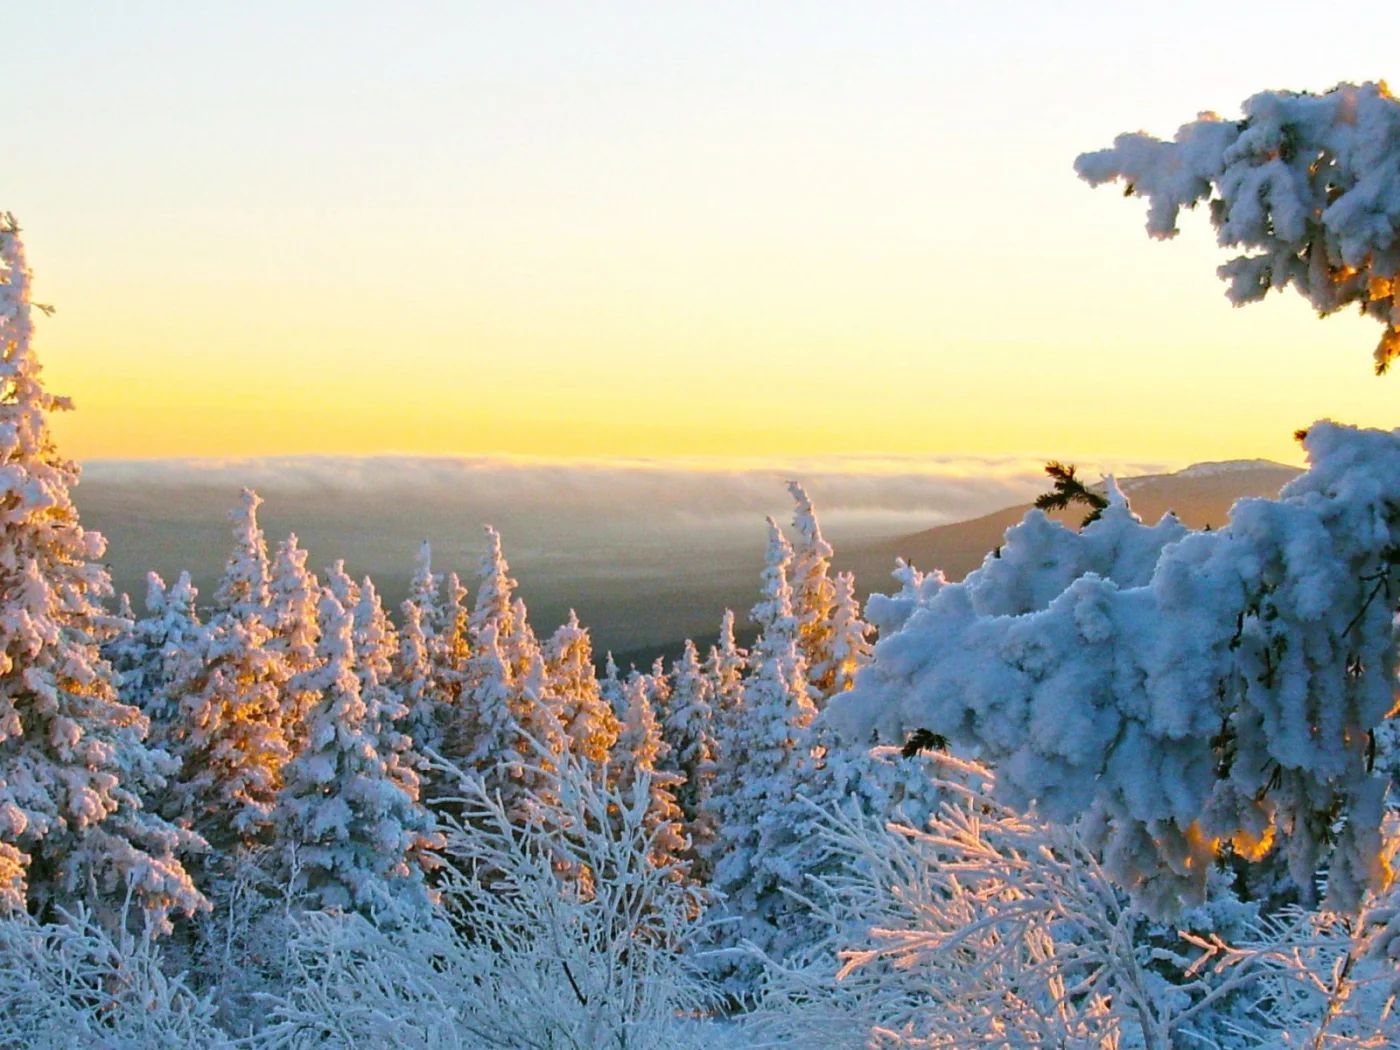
(704, 229)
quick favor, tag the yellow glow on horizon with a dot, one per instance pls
(689, 234)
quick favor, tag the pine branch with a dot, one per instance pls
(1066, 489)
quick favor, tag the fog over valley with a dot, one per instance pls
(647, 551)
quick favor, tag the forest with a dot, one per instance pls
(1126, 785)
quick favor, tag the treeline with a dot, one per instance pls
(291, 726)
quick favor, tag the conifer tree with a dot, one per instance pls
(522, 648)
(73, 762)
(850, 636)
(413, 678)
(423, 589)
(574, 693)
(501, 726)
(166, 648)
(293, 593)
(771, 737)
(348, 816)
(345, 589)
(450, 645)
(431, 665)
(376, 645)
(639, 754)
(689, 731)
(374, 636)
(724, 670)
(725, 667)
(245, 587)
(612, 689)
(495, 594)
(813, 596)
(232, 747)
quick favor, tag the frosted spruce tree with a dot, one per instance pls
(612, 688)
(850, 636)
(505, 732)
(572, 686)
(376, 645)
(342, 584)
(495, 593)
(73, 762)
(348, 819)
(777, 710)
(292, 595)
(413, 678)
(431, 666)
(640, 780)
(724, 669)
(424, 589)
(164, 648)
(688, 729)
(813, 596)
(231, 747)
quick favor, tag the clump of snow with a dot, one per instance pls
(1185, 693)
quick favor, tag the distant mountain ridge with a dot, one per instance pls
(1201, 495)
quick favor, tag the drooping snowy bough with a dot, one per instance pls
(1184, 695)
(1308, 185)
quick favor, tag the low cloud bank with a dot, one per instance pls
(936, 489)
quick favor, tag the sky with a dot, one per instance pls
(655, 230)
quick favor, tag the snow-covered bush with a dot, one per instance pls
(989, 928)
(1308, 185)
(565, 939)
(1187, 694)
(76, 985)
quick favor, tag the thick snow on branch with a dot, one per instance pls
(1187, 693)
(1308, 185)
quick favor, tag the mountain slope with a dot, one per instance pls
(1200, 495)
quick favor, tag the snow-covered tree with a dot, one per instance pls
(572, 687)
(501, 723)
(431, 666)
(164, 648)
(725, 667)
(777, 710)
(450, 645)
(413, 678)
(73, 762)
(245, 587)
(1306, 185)
(688, 729)
(1188, 695)
(496, 592)
(612, 689)
(231, 746)
(640, 780)
(342, 584)
(813, 596)
(376, 645)
(850, 636)
(292, 595)
(424, 589)
(348, 816)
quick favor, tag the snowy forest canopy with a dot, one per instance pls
(1125, 785)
